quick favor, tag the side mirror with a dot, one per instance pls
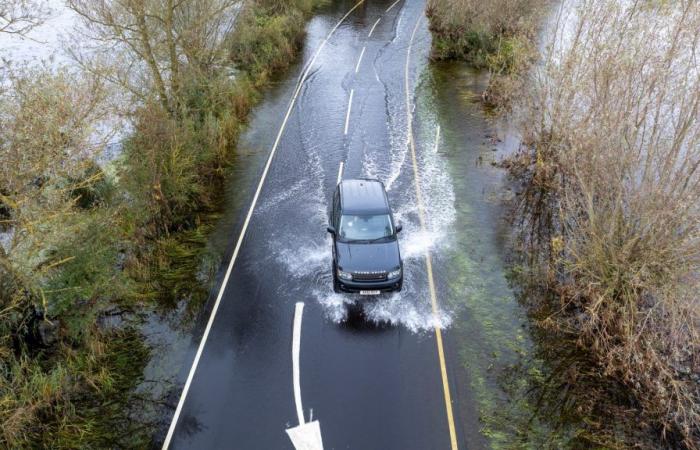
(399, 227)
(331, 230)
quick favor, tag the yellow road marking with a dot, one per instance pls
(428, 259)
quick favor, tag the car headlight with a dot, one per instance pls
(394, 274)
(344, 275)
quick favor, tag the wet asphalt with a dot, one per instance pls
(372, 380)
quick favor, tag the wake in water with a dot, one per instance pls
(411, 308)
(311, 262)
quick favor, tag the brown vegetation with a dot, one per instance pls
(56, 262)
(610, 207)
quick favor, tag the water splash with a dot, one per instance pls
(410, 308)
(311, 262)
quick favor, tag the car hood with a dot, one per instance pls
(382, 256)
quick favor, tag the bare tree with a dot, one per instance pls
(154, 43)
(21, 16)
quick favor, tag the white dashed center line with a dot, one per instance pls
(359, 61)
(340, 171)
(437, 139)
(392, 6)
(373, 27)
(347, 119)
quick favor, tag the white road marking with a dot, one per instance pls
(306, 436)
(210, 322)
(296, 348)
(437, 139)
(347, 118)
(392, 6)
(359, 61)
(428, 259)
(340, 172)
(373, 27)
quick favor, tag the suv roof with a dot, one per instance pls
(363, 197)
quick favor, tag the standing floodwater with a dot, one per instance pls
(373, 381)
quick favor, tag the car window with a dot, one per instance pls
(336, 207)
(365, 227)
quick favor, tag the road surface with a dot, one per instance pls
(379, 381)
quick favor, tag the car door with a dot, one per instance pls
(335, 216)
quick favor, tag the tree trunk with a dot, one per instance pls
(140, 14)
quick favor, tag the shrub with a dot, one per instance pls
(495, 35)
(610, 207)
(265, 43)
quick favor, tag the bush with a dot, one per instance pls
(610, 207)
(494, 35)
(92, 188)
(38, 401)
(265, 43)
(171, 163)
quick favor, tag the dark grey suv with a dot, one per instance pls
(366, 257)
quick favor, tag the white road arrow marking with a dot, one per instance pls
(306, 436)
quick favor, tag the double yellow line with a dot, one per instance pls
(428, 259)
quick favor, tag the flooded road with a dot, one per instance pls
(373, 380)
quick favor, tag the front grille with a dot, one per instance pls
(369, 276)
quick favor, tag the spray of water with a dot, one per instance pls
(311, 263)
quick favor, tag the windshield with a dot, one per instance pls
(365, 228)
